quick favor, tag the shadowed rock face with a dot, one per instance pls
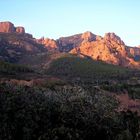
(113, 37)
(15, 43)
(20, 30)
(88, 36)
(14, 47)
(8, 27)
(68, 43)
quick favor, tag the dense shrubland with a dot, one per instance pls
(85, 69)
(75, 104)
(9, 68)
(64, 112)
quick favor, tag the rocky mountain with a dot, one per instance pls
(8, 27)
(68, 43)
(50, 44)
(110, 49)
(15, 43)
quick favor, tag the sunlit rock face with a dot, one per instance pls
(88, 36)
(109, 48)
(50, 44)
(113, 37)
(8, 27)
(66, 44)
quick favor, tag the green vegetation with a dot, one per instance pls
(74, 102)
(9, 68)
(85, 69)
(65, 112)
(88, 73)
(60, 96)
(132, 90)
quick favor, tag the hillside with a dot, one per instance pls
(71, 66)
(80, 87)
(14, 44)
(68, 101)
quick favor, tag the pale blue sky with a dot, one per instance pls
(56, 18)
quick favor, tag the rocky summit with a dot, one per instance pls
(8, 27)
(110, 48)
(15, 43)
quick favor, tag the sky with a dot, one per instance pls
(59, 18)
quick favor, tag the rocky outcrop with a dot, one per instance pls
(88, 36)
(113, 37)
(50, 44)
(15, 46)
(109, 48)
(8, 27)
(66, 44)
(133, 51)
(20, 30)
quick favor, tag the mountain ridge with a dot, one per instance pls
(110, 48)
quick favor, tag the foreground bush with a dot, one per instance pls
(64, 113)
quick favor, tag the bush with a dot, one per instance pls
(67, 112)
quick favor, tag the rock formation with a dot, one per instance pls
(110, 49)
(8, 27)
(50, 44)
(68, 43)
(113, 37)
(20, 30)
(88, 36)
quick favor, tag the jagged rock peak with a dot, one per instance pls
(20, 29)
(50, 44)
(113, 37)
(88, 36)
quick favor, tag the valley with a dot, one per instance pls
(54, 89)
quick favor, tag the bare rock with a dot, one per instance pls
(50, 44)
(113, 37)
(7, 27)
(110, 49)
(20, 30)
(88, 36)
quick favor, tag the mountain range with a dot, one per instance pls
(15, 43)
(79, 87)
